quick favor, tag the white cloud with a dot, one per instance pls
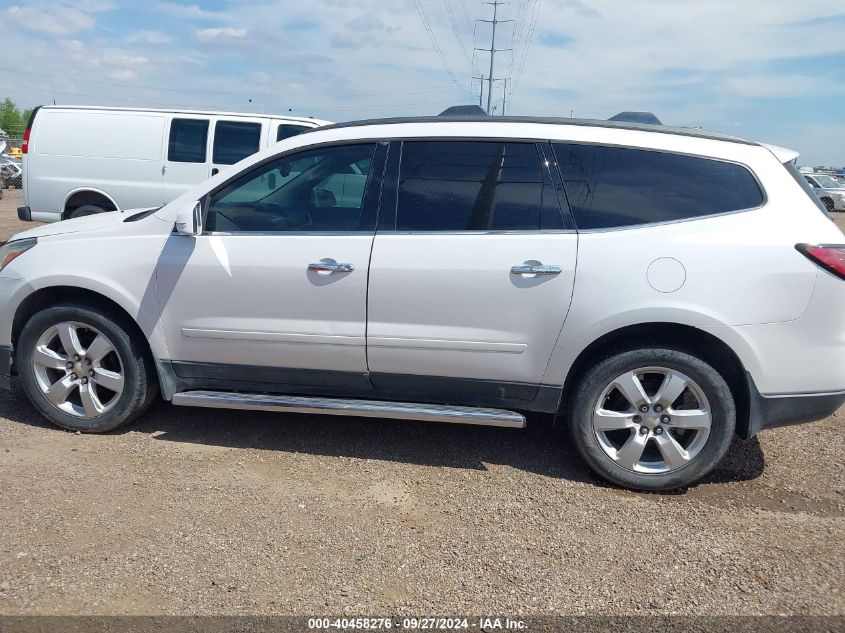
(774, 86)
(125, 74)
(220, 33)
(696, 62)
(58, 21)
(187, 12)
(149, 37)
(120, 59)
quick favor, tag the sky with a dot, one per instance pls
(766, 70)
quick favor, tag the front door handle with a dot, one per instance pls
(535, 269)
(330, 267)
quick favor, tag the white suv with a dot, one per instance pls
(660, 290)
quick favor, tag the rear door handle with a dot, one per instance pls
(331, 267)
(535, 269)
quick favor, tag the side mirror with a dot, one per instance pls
(189, 219)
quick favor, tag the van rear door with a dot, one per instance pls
(187, 157)
(235, 138)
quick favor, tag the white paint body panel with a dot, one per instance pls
(446, 305)
(249, 300)
(120, 153)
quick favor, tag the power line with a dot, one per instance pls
(527, 48)
(427, 25)
(224, 92)
(466, 14)
(194, 106)
(456, 30)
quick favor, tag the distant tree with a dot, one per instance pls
(12, 120)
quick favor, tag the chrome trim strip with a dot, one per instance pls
(273, 337)
(442, 344)
(496, 232)
(356, 408)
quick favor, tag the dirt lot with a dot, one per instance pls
(199, 511)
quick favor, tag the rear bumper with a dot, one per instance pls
(766, 412)
(25, 214)
(5, 368)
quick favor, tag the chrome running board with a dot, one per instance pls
(360, 408)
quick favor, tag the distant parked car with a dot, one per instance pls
(829, 189)
(81, 160)
(12, 170)
(15, 152)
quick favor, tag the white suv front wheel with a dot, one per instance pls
(83, 367)
(652, 418)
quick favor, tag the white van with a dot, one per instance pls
(84, 160)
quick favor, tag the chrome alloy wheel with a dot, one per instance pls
(78, 369)
(652, 420)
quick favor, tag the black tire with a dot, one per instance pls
(141, 383)
(587, 391)
(85, 209)
(828, 204)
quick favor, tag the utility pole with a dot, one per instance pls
(480, 87)
(493, 50)
(505, 96)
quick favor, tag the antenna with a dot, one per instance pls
(492, 50)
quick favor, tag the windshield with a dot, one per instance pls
(827, 181)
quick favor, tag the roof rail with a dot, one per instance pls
(636, 117)
(463, 110)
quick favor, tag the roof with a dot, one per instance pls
(619, 125)
(176, 111)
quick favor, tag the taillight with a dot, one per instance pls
(26, 132)
(831, 257)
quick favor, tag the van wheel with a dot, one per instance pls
(82, 368)
(85, 209)
(652, 418)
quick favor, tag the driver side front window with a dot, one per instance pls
(316, 190)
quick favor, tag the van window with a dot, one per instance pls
(234, 141)
(612, 187)
(286, 131)
(188, 140)
(474, 186)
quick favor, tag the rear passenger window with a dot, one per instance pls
(474, 186)
(188, 139)
(611, 187)
(234, 141)
(286, 131)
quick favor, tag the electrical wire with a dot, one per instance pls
(427, 25)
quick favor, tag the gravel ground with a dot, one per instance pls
(222, 512)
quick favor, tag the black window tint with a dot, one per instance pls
(188, 139)
(234, 141)
(611, 187)
(286, 131)
(468, 185)
(315, 190)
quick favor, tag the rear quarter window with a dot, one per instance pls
(610, 187)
